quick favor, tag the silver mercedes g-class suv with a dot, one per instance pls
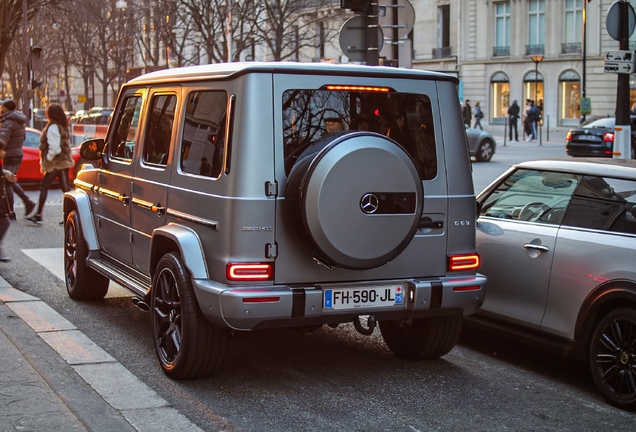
(244, 196)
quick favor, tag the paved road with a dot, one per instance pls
(334, 379)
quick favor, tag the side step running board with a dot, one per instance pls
(139, 285)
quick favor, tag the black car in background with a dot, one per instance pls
(596, 139)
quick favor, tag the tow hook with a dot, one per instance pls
(371, 321)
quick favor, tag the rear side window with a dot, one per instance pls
(126, 129)
(159, 129)
(308, 115)
(603, 203)
(203, 145)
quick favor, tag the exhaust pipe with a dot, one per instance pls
(140, 303)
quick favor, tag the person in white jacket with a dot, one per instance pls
(55, 155)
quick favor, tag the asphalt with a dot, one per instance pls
(53, 377)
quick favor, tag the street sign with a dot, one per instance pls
(613, 20)
(620, 62)
(405, 17)
(353, 38)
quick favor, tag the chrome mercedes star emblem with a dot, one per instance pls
(369, 203)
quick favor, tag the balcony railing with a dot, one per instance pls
(535, 49)
(500, 51)
(571, 48)
(443, 52)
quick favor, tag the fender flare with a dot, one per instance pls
(80, 201)
(611, 292)
(189, 245)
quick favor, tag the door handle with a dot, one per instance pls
(540, 248)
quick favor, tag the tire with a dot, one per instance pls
(422, 338)
(82, 282)
(613, 357)
(188, 346)
(354, 200)
(485, 151)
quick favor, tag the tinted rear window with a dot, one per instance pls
(607, 123)
(308, 115)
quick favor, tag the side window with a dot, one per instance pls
(529, 195)
(159, 129)
(603, 203)
(123, 143)
(203, 145)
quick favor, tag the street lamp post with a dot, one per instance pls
(536, 59)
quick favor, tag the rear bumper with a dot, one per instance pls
(235, 307)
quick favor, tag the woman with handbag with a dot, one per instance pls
(55, 155)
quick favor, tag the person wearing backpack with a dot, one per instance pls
(534, 115)
(478, 116)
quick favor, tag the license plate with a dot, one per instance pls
(587, 138)
(366, 297)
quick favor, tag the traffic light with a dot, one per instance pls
(36, 62)
(359, 6)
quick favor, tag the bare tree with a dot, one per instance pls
(209, 19)
(289, 26)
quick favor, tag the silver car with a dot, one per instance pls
(558, 244)
(245, 196)
(481, 144)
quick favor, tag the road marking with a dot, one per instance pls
(52, 259)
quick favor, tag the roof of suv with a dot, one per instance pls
(223, 70)
(593, 166)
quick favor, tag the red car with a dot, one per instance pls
(29, 171)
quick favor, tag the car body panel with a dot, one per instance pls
(476, 138)
(581, 260)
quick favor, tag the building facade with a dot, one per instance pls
(521, 49)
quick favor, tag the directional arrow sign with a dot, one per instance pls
(621, 62)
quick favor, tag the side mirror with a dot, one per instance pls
(92, 149)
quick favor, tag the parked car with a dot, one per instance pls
(596, 138)
(77, 116)
(29, 171)
(481, 144)
(245, 196)
(558, 245)
(96, 115)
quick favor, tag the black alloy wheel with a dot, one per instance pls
(188, 346)
(613, 357)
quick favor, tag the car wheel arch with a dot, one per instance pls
(79, 201)
(175, 237)
(603, 299)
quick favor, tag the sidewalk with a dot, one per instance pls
(52, 377)
(555, 138)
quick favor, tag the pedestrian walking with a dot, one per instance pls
(55, 155)
(535, 115)
(527, 126)
(478, 116)
(513, 116)
(12, 135)
(7, 179)
(467, 113)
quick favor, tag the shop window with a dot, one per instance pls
(500, 93)
(533, 88)
(570, 97)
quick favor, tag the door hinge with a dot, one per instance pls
(271, 250)
(271, 189)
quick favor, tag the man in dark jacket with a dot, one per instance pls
(513, 116)
(12, 135)
(467, 113)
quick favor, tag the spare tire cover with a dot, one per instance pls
(354, 199)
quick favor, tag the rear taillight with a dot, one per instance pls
(463, 262)
(250, 271)
(608, 137)
(568, 136)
